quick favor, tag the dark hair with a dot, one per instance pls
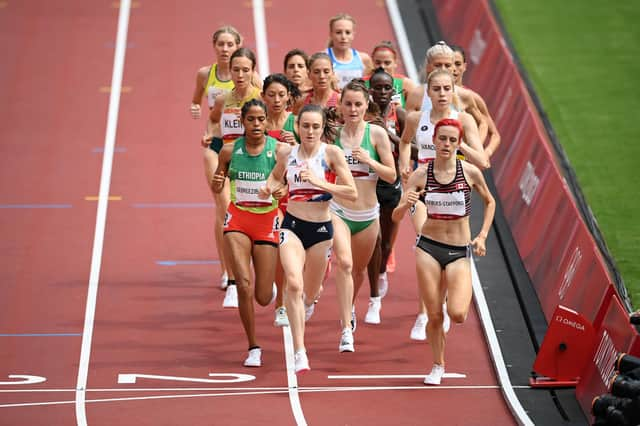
(296, 52)
(356, 85)
(374, 108)
(328, 120)
(379, 71)
(457, 48)
(281, 79)
(243, 52)
(250, 103)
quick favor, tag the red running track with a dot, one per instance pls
(160, 319)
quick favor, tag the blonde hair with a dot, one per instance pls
(439, 49)
(339, 17)
(228, 29)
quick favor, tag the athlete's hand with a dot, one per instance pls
(307, 176)
(264, 192)
(195, 111)
(287, 137)
(362, 155)
(414, 196)
(479, 247)
(280, 192)
(218, 180)
(206, 140)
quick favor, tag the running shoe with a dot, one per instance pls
(230, 297)
(346, 341)
(419, 330)
(383, 285)
(224, 281)
(281, 317)
(435, 377)
(354, 321)
(301, 362)
(373, 314)
(391, 261)
(254, 359)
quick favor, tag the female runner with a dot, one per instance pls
(443, 249)
(419, 126)
(459, 68)
(225, 126)
(391, 117)
(214, 80)
(348, 63)
(385, 55)
(277, 94)
(322, 90)
(356, 226)
(295, 68)
(251, 222)
(306, 233)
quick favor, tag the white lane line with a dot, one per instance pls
(101, 216)
(292, 380)
(262, 47)
(494, 349)
(396, 376)
(248, 392)
(403, 40)
(259, 389)
(143, 398)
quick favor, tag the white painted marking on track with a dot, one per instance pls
(223, 378)
(241, 392)
(24, 379)
(396, 376)
(494, 349)
(101, 215)
(262, 48)
(403, 40)
(292, 380)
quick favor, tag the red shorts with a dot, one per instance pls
(261, 228)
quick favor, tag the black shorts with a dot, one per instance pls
(443, 253)
(309, 233)
(216, 144)
(389, 194)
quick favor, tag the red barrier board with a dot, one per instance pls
(615, 336)
(553, 241)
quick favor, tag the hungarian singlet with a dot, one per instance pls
(360, 170)
(346, 71)
(447, 201)
(248, 173)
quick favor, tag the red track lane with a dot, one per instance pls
(56, 57)
(167, 320)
